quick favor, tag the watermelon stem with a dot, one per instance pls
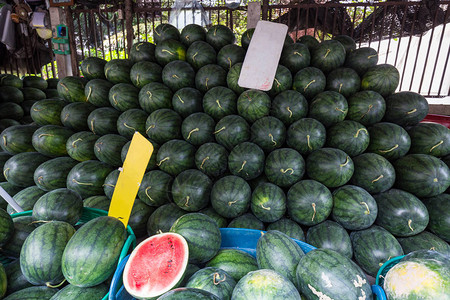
(192, 131)
(146, 193)
(73, 143)
(67, 116)
(162, 160)
(150, 127)
(290, 112)
(307, 139)
(55, 286)
(40, 179)
(44, 134)
(370, 56)
(64, 86)
(129, 127)
(378, 178)
(114, 99)
(359, 130)
(389, 150)
(368, 110)
(278, 82)
(97, 145)
(412, 111)
(284, 171)
(179, 98)
(108, 184)
(165, 50)
(311, 82)
(218, 275)
(266, 208)
(346, 162)
(326, 54)
(367, 212)
(409, 225)
(242, 167)
(187, 201)
(4, 173)
(4, 140)
(137, 79)
(203, 161)
(340, 87)
(37, 109)
(218, 104)
(342, 111)
(297, 53)
(231, 202)
(314, 208)
(92, 126)
(193, 56)
(150, 95)
(437, 145)
(217, 131)
(81, 183)
(273, 141)
(229, 60)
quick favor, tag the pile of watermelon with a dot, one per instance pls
(331, 155)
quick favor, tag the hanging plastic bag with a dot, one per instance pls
(186, 12)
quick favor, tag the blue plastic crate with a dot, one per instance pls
(232, 238)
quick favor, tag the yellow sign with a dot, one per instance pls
(130, 178)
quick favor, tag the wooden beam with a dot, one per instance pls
(253, 14)
(57, 16)
(129, 24)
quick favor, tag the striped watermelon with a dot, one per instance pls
(144, 72)
(236, 263)
(253, 105)
(212, 159)
(382, 79)
(231, 196)
(213, 280)
(231, 131)
(366, 107)
(373, 173)
(142, 51)
(424, 241)
(6, 228)
(187, 101)
(210, 76)
(103, 120)
(330, 235)
(439, 212)
(230, 55)
(233, 78)
(430, 138)
(155, 95)
(177, 75)
(389, 140)
(269, 133)
(405, 108)
(289, 106)
(328, 107)
(192, 33)
(155, 188)
(200, 54)
(284, 167)
(80, 146)
(309, 82)
(219, 102)
(306, 135)
(191, 190)
(198, 129)
(328, 55)
(349, 136)
(163, 218)
(246, 160)
(175, 156)
(268, 202)
(163, 125)
(247, 220)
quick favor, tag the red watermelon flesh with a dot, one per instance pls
(156, 265)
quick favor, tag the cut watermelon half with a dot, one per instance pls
(156, 265)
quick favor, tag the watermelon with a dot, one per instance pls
(14, 277)
(169, 50)
(84, 263)
(309, 202)
(212, 159)
(30, 93)
(103, 120)
(139, 217)
(110, 183)
(230, 55)
(97, 91)
(3, 158)
(231, 131)
(210, 76)
(289, 106)
(192, 33)
(144, 72)
(51, 140)
(256, 285)
(80, 146)
(330, 235)
(281, 82)
(346, 41)
(284, 167)
(142, 51)
(167, 254)
(10, 80)
(5, 123)
(248, 221)
(187, 101)
(200, 54)
(373, 173)
(71, 89)
(288, 227)
(191, 190)
(175, 156)
(246, 37)
(52, 174)
(177, 75)
(438, 211)
(231, 203)
(405, 108)
(23, 226)
(87, 177)
(40, 257)
(198, 129)
(72, 292)
(163, 218)
(19, 169)
(366, 107)
(361, 59)
(329, 108)
(349, 136)
(33, 293)
(47, 112)
(131, 121)
(328, 55)
(401, 213)
(354, 208)
(154, 96)
(11, 110)
(7, 227)
(51, 93)
(253, 105)
(17, 139)
(344, 81)
(26, 198)
(268, 132)
(99, 202)
(422, 175)
(165, 31)
(295, 57)
(213, 280)
(277, 251)
(430, 138)
(4, 279)
(233, 77)
(268, 202)
(118, 70)
(188, 293)
(389, 140)
(123, 96)
(334, 276)
(74, 115)
(372, 247)
(424, 241)
(202, 235)
(219, 36)
(163, 125)
(306, 135)
(108, 149)
(11, 94)
(246, 160)
(382, 79)
(93, 68)
(219, 102)
(236, 263)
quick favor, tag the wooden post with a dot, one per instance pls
(57, 16)
(72, 45)
(253, 14)
(129, 24)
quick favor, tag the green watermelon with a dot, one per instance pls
(30, 93)
(99, 202)
(289, 106)
(284, 167)
(187, 101)
(233, 77)
(17, 139)
(268, 202)
(10, 80)
(4, 281)
(344, 81)
(40, 257)
(253, 105)
(309, 202)
(430, 138)
(246, 37)
(288, 227)
(192, 33)
(231, 203)
(202, 234)
(389, 140)
(124, 96)
(306, 135)
(97, 91)
(210, 76)
(281, 82)
(163, 125)
(11, 110)
(93, 68)
(295, 57)
(354, 208)
(80, 146)
(139, 217)
(175, 156)
(87, 178)
(19, 169)
(169, 50)
(47, 112)
(231, 131)
(118, 70)
(424, 241)
(5, 123)
(188, 294)
(154, 96)
(372, 247)
(142, 51)
(72, 292)
(131, 121)
(26, 198)
(212, 159)
(108, 149)
(103, 120)
(230, 55)
(200, 54)
(51, 140)
(373, 172)
(405, 108)
(110, 183)
(71, 89)
(236, 263)
(11, 94)
(14, 277)
(220, 221)
(87, 264)
(52, 174)
(198, 129)
(330, 235)
(213, 280)
(23, 226)
(310, 41)
(219, 36)
(366, 107)
(438, 211)
(349, 136)
(246, 160)
(163, 218)
(328, 55)
(33, 293)
(74, 115)
(269, 133)
(3, 158)
(248, 221)
(382, 79)
(177, 75)
(346, 41)
(144, 72)
(422, 175)
(219, 102)
(7, 227)
(361, 59)
(165, 31)
(191, 190)
(328, 108)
